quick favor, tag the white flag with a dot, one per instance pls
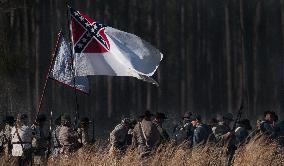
(102, 50)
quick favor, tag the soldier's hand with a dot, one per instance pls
(228, 135)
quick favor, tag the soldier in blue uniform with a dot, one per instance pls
(201, 130)
(268, 125)
(242, 131)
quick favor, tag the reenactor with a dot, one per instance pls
(130, 132)
(242, 131)
(280, 128)
(68, 137)
(55, 149)
(184, 131)
(6, 137)
(225, 136)
(201, 130)
(223, 129)
(2, 126)
(268, 125)
(83, 131)
(158, 121)
(39, 141)
(118, 137)
(21, 140)
(213, 123)
(145, 135)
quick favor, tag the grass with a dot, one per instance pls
(259, 151)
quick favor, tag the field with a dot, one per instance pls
(259, 151)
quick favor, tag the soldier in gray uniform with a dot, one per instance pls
(158, 121)
(201, 131)
(6, 137)
(21, 140)
(223, 129)
(68, 137)
(184, 131)
(145, 136)
(39, 141)
(83, 131)
(118, 136)
(55, 149)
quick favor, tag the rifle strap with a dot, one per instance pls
(143, 133)
(56, 137)
(20, 139)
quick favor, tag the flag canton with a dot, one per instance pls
(92, 31)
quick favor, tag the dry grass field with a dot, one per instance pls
(259, 151)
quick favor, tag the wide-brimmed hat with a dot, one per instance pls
(245, 123)
(65, 117)
(160, 115)
(41, 118)
(187, 115)
(57, 121)
(195, 117)
(228, 116)
(22, 116)
(85, 121)
(147, 113)
(9, 120)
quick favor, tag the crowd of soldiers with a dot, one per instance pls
(30, 145)
(148, 133)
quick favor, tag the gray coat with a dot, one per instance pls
(145, 136)
(118, 136)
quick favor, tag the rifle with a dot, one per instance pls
(93, 138)
(239, 115)
(48, 152)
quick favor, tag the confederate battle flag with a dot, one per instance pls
(102, 50)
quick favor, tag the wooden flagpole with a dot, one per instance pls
(47, 75)
(73, 70)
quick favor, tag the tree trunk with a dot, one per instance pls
(244, 95)
(282, 71)
(228, 56)
(27, 62)
(255, 53)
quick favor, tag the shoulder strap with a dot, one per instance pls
(80, 134)
(56, 137)
(20, 139)
(143, 133)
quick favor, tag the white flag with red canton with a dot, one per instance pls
(102, 50)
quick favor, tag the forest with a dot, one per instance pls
(218, 55)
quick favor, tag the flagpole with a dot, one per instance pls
(72, 68)
(47, 75)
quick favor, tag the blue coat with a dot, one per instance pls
(201, 133)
